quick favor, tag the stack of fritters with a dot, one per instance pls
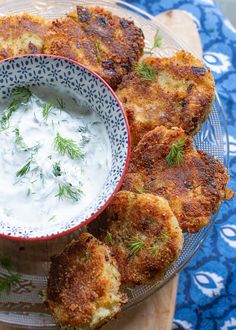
(170, 186)
(166, 100)
(194, 189)
(107, 44)
(142, 239)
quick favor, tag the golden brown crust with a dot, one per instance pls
(181, 96)
(106, 43)
(194, 190)
(21, 34)
(83, 278)
(147, 218)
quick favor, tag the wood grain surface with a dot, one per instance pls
(156, 312)
(183, 27)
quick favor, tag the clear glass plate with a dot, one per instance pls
(23, 307)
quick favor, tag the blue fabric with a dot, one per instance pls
(206, 297)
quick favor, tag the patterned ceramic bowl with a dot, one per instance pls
(40, 71)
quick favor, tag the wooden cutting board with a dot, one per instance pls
(156, 312)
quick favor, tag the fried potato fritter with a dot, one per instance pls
(21, 34)
(83, 286)
(105, 43)
(143, 235)
(194, 189)
(181, 95)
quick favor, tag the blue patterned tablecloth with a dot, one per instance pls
(206, 297)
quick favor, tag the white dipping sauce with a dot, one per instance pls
(31, 198)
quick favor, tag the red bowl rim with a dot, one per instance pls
(93, 217)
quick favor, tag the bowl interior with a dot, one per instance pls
(71, 81)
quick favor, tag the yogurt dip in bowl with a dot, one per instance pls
(64, 146)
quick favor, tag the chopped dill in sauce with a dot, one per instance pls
(55, 157)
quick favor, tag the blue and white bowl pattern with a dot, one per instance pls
(57, 72)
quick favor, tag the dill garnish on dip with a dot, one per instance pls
(53, 160)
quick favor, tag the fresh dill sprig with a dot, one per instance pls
(128, 290)
(19, 140)
(135, 245)
(157, 40)
(67, 191)
(61, 103)
(145, 71)
(154, 249)
(6, 262)
(108, 237)
(67, 147)
(175, 156)
(139, 190)
(7, 114)
(47, 107)
(24, 169)
(8, 281)
(19, 95)
(56, 169)
(163, 237)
